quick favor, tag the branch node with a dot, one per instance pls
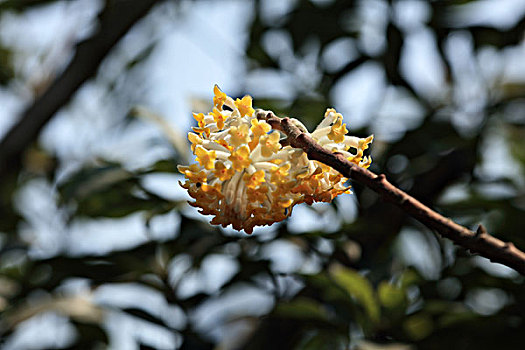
(302, 138)
(380, 178)
(481, 231)
(285, 142)
(261, 114)
(509, 246)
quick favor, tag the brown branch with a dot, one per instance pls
(479, 242)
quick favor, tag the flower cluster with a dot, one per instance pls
(246, 178)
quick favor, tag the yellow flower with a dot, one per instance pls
(244, 176)
(199, 117)
(239, 135)
(219, 118)
(270, 144)
(193, 173)
(279, 175)
(338, 131)
(195, 140)
(219, 98)
(224, 144)
(204, 157)
(253, 181)
(222, 172)
(258, 129)
(205, 131)
(244, 105)
(240, 158)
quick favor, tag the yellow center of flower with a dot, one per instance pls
(246, 178)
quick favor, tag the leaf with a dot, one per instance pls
(409, 278)
(390, 296)
(330, 291)
(418, 326)
(358, 287)
(302, 308)
(164, 166)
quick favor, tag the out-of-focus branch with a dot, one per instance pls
(479, 242)
(116, 19)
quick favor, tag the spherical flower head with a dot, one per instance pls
(244, 177)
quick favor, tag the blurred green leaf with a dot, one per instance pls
(418, 326)
(359, 288)
(390, 296)
(302, 308)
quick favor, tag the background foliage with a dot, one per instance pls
(375, 280)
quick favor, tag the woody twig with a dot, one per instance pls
(479, 242)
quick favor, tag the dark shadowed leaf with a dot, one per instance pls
(359, 288)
